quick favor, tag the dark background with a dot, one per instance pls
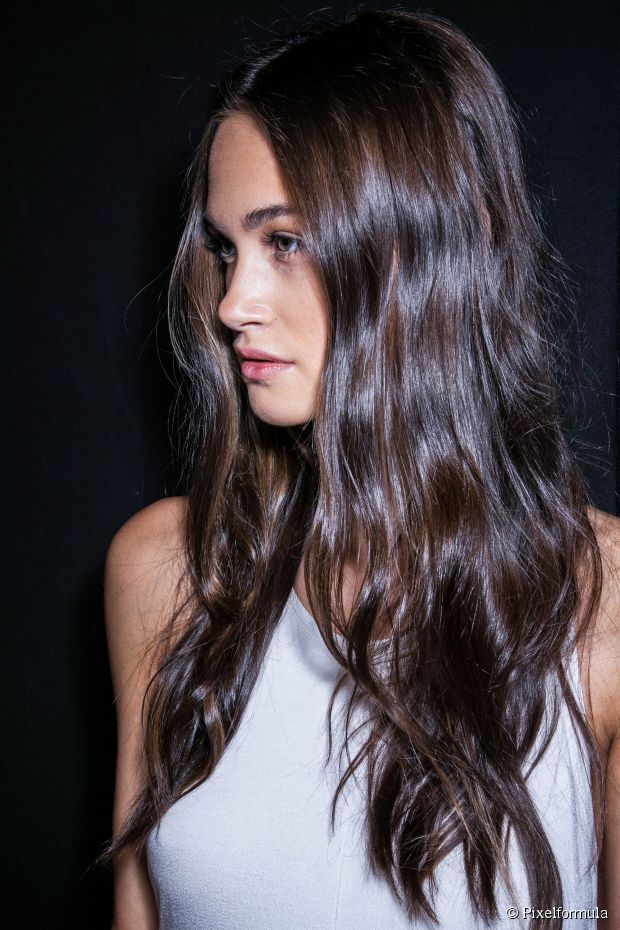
(106, 105)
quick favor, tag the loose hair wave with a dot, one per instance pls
(436, 447)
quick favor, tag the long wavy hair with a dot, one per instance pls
(436, 445)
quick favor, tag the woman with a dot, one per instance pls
(378, 635)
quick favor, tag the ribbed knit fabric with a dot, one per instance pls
(250, 848)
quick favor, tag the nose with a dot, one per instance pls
(246, 300)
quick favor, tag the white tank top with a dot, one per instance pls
(251, 849)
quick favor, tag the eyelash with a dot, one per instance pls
(214, 245)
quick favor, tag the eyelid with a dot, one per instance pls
(272, 237)
(278, 234)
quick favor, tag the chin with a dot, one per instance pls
(281, 414)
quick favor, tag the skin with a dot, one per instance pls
(273, 299)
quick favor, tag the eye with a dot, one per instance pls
(222, 248)
(284, 245)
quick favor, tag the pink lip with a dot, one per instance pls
(261, 356)
(256, 370)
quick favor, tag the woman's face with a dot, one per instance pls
(273, 301)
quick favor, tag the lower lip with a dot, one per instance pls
(262, 371)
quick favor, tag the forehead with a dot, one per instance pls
(242, 168)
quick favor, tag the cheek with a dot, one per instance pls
(310, 339)
(312, 324)
(319, 334)
(304, 318)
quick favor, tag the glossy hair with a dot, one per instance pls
(436, 444)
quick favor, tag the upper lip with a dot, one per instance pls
(258, 354)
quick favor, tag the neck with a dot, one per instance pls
(355, 565)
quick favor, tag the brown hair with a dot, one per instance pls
(436, 441)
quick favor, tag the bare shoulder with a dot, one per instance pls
(144, 574)
(601, 671)
(143, 587)
(154, 531)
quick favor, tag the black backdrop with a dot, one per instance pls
(106, 103)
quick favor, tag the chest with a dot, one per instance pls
(253, 846)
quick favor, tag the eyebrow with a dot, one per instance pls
(258, 217)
